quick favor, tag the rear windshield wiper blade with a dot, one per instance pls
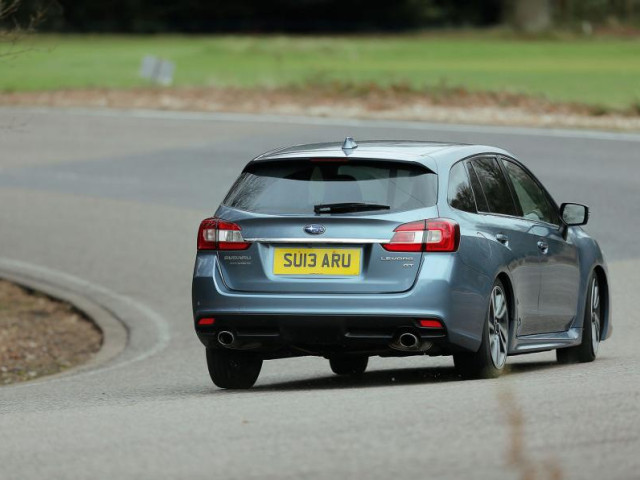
(347, 207)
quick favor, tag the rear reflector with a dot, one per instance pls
(433, 235)
(216, 234)
(429, 323)
(207, 321)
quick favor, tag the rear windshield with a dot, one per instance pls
(295, 187)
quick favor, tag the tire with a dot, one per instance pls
(232, 369)
(490, 359)
(591, 328)
(348, 365)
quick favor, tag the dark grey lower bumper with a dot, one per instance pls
(321, 334)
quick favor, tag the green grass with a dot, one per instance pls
(598, 71)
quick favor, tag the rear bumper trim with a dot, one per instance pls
(342, 331)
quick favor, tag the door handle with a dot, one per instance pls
(543, 247)
(502, 238)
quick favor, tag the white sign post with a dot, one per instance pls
(157, 70)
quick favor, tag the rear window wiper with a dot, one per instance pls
(347, 207)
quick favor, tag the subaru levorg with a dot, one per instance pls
(394, 248)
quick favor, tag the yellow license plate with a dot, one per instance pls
(316, 261)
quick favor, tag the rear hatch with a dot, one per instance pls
(320, 225)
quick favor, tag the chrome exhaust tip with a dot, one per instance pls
(408, 340)
(226, 338)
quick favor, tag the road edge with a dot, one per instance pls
(309, 120)
(115, 335)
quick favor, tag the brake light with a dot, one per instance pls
(443, 235)
(330, 160)
(216, 234)
(207, 234)
(433, 235)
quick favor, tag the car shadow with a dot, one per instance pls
(370, 379)
(386, 378)
(375, 378)
(524, 367)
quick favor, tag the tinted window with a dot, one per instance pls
(533, 201)
(495, 186)
(295, 186)
(481, 201)
(460, 194)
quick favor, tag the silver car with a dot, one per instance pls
(394, 248)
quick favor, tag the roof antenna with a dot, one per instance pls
(349, 144)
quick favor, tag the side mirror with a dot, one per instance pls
(574, 214)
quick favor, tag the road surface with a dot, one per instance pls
(106, 204)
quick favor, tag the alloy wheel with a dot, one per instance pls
(595, 315)
(498, 327)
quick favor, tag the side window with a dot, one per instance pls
(494, 185)
(533, 201)
(481, 201)
(460, 195)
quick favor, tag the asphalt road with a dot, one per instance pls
(107, 204)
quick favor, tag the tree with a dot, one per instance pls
(16, 18)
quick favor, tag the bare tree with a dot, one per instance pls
(17, 19)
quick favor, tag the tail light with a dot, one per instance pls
(216, 234)
(434, 235)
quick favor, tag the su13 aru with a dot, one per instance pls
(394, 248)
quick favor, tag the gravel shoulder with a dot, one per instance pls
(450, 106)
(41, 336)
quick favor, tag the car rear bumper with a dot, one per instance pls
(324, 333)
(445, 290)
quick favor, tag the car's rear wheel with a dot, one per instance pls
(233, 369)
(352, 365)
(591, 328)
(491, 357)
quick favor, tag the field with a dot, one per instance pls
(595, 71)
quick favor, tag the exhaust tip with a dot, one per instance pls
(408, 340)
(226, 338)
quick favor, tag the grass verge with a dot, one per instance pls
(456, 106)
(601, 72)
